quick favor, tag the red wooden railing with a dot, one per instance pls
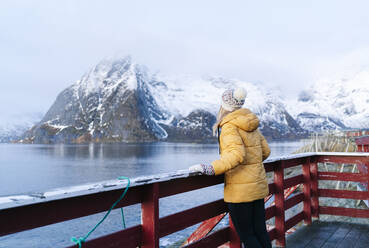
(207, 226)
(357, 133)
(49, 211)
(362, 143)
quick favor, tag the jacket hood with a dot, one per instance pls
(243, 119)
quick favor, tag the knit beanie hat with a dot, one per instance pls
(233, 99)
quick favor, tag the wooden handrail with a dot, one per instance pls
(45, 210)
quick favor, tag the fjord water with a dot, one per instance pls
(38, 168)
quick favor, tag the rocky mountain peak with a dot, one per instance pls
(332, 104)
(108, 75)
(120, 101)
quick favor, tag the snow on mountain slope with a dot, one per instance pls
(183, 95)
(108, 104)
(107, 76)
(334, 104)
(12, 127)
(101, 83)
(120, 101)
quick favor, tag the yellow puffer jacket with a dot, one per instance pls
(243, 149)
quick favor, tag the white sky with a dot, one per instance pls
(47, 45)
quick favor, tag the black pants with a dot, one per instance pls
(249, 221)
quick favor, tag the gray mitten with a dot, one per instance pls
(203, 169)
(208, 169)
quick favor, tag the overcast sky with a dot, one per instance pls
(47, 45)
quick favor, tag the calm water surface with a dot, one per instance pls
(37, 168)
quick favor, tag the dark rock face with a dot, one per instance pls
(279, 124)
(196, 127)
(116, 101)
(114, 111)
(314, 122)
(273, 131)
(150, 112)
(123, 124)
(119, 108)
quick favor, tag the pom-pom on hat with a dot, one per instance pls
(233, 99)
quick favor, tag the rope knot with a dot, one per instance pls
(78, 241)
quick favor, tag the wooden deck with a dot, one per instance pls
(329, 235)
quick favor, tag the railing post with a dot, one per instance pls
(150, 216)
(279, 204)
(306, 191)
(235, 241)
(314, 188)
(367, 181)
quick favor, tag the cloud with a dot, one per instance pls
(344, 65)
(47, 45)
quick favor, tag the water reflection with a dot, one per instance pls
(32, 168)
(42, 167)
(98, 151)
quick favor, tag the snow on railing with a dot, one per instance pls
(36, 210)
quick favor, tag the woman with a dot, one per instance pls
(242, 152)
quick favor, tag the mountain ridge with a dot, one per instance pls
(118, 100)
(333, 104)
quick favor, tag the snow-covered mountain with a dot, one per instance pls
(334, 104)
(120, 101)
(182, 95)
(12, 127)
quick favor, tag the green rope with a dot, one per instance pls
(124, 222)
(82, 240)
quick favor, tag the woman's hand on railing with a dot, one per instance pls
(203, 169)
